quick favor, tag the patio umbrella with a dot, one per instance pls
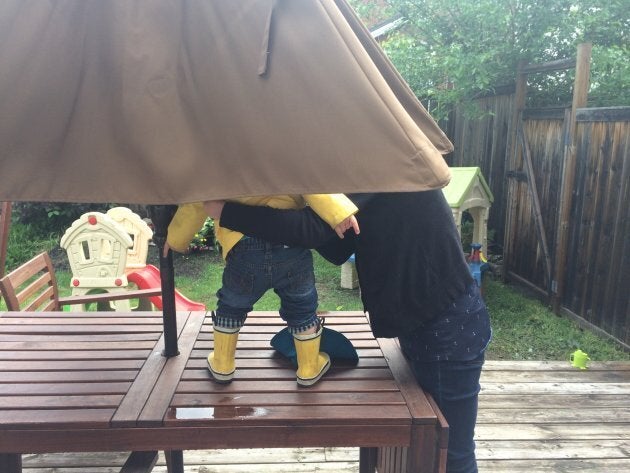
(166, 102)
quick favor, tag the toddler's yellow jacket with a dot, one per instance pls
(189, 218)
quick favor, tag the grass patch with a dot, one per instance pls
(525, 329)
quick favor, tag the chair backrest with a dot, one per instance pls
(32, 286)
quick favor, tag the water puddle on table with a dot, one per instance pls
(223, 412)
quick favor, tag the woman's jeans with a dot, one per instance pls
(446, 356)
(253, 267)
(455, 385)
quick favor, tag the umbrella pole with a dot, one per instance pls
(161, 216)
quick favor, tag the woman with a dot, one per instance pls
(415, 285)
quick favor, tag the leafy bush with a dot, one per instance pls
(46, 218)
(205, 238)
(25, 242)
(452, 52)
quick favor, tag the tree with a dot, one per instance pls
(451, 51)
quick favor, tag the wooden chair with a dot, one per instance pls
(33, 287)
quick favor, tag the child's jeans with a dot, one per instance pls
(253, 267)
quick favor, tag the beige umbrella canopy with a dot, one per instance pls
(162, 102)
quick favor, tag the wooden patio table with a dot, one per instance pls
(89, 382)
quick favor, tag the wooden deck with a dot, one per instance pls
(534, 417)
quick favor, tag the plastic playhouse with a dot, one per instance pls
(108, 252)
(139, 232)
(469, 191)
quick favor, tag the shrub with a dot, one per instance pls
(205, 238)
(46, 218)
(25, 242)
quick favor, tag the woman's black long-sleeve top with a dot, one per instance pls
(409, 257)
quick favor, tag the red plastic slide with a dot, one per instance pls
(149, 278)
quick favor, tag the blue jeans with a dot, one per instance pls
(446, 356)
(455, 387)
(253, 267)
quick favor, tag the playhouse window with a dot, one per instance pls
(107, 252)
(85, 246)
(133, 249)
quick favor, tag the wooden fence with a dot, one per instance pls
(596, 276)
(483, 142)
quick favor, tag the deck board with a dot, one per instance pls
(534, 416)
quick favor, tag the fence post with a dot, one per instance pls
(580, 95)
(512, 148)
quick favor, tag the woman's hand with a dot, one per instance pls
(350, 222)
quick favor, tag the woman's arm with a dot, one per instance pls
(301, 227)
(292, 227)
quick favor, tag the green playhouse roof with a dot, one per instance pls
(462, 182)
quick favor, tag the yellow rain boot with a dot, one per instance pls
(221, 361)
(312, 364)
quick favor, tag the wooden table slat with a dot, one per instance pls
(295, 415)
(70, 389)
(261, 344)
(69, 319)
(56, 418)
(198, 360)
(60, 402)
(288, 373)
(43, 355)
(81, 329)
(265, 352)
(11, 377)
(295, 398)
(77, 345)
(262, 386)
(262, 332)
(76, 365)
(160, 397)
